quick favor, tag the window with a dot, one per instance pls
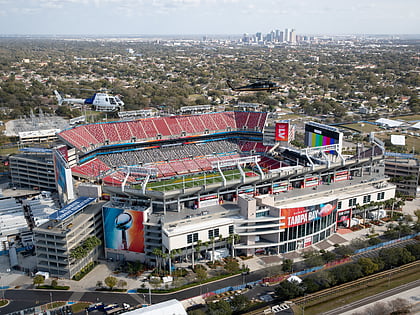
(366, 199)
(381, 196)
(339, 205)
(352, 202)
(231, 229)
(215, 232)
(262, 214)
(192, 238)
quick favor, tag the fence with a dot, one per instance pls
(362, 250)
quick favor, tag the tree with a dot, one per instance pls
(219, 308)
(289, 290)
(111, 282)
(201, 274)
(414, 250)
(399, 306)
(393, 257)
(54, 283)
(157, 252)
(287, 265)
(122, 284)
(232, 240)
(328, 256)
(198, 247)
(347, 272)
(312, 259)
(239, 303)
(232, 266)
(367, 265)
(212, 239)
(344, 250)
(38, 280)
(378, 308)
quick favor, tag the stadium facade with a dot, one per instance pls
(192, 183)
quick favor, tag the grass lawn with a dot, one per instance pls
(358, 292)
(410, 141)
(7, 151)
(362, 127)
(194, 180)
(408, 118)
(79, 307)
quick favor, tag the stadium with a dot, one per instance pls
(229, 179)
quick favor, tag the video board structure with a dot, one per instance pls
(317, 135)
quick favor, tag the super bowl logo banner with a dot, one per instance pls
(282, 132)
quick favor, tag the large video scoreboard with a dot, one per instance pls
(317, 135)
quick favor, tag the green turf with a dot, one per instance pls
(194, 180)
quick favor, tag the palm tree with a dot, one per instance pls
(171, 256)
(232, 240)
(212, 243)
(206, 245)
(164, 257)
(158, 253)
(198, 247)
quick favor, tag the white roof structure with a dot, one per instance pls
(389, 122)
(171, 307)
(416, 125)
(294, 279)
(398, 139)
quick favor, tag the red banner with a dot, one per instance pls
(282, 132)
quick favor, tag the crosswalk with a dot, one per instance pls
(276, 308)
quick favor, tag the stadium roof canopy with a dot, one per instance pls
(389, 122)
(72, 208)
(171, 307)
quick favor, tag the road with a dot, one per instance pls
(373, 298)
(22, 299)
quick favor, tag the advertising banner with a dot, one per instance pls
(123, 229)
(341, 176)
(344, 215)
(302, 215)
(209, 201)
(282, 131)
(280, 187)
(308, 241)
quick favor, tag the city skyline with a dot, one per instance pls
(169, 17)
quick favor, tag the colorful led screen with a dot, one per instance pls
(317, 135)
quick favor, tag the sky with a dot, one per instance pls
(170, 17)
